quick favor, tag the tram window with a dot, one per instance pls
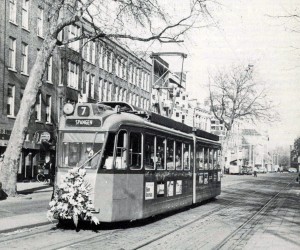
(80, 149)
(170, 155)
(74, 149)
(206, 152)
(160, 153)
(199, 157)
(85, 152)
(135, 151)
(214, 156)
(186, 156)
(201, 179)
(210, 163)
(121, 150)
(107, 162)
(178, 156)
(191, 155)
(218, 157)
(149, 155)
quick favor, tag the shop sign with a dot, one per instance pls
(149, 190)
(45, 136)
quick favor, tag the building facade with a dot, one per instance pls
(83, 71)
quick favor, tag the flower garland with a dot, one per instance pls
(72, 199)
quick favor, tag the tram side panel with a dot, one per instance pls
(166, 191)
(208, 184)
(119, 196)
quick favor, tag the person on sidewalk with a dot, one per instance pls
(255, 172)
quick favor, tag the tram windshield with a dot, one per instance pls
(80, 149)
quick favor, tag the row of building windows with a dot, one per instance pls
(111, 92)
(88, 81)
(11, 98)
(25, 15)
(106, 58)
(12, 62)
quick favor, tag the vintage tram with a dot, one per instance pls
(139, 163)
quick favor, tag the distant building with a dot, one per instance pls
(199, 115)
(217, 128)
(255, 149)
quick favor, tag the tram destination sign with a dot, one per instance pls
(83, 122)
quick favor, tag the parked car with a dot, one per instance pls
(262, 170)
(247, 170)
(292, 170)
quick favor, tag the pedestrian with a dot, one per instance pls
(255, 172)
(52, 169)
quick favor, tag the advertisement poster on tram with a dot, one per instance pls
(160, 190)
(179, 187)
(205, 178)
(201, 178)
(170, 188)
(149, 191)
(219, 176)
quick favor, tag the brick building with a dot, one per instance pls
(82, 71)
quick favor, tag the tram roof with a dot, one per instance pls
(161, 120)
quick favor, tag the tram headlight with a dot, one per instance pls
(68, 109)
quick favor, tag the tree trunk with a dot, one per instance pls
(9, 165)
(225, 147)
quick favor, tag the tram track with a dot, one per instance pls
(61, 244)
(205, 216)
(202, 217)
(68, 243)
(230, 242)
(223, 204)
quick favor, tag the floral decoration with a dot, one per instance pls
(71, 199)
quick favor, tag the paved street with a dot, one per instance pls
(251, 213)
(32, 198)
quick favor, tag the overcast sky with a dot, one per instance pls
(245, 33)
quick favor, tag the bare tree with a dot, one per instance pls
(111, 19)
(289, 19)
(236, 96)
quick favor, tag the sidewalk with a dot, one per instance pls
(26, 210)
